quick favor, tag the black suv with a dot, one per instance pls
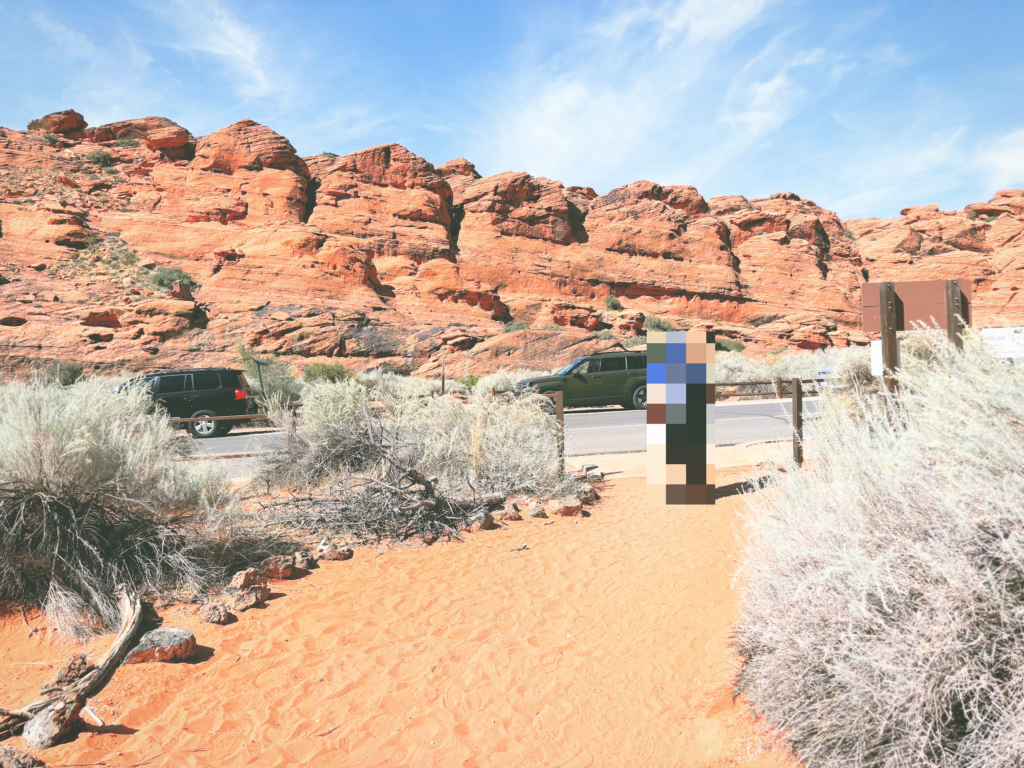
(607, 378)
(199, 392)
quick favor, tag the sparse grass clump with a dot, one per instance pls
(882, 618)
(612, 303)
(100, 158)
(127, 143)
(634, 341)
(605, 335)
(516, 325)
(91, 498)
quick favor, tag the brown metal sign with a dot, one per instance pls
(917, 302)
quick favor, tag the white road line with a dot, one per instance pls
(584, 429)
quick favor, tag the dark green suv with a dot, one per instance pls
(607, 378)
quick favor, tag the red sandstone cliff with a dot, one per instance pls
(379, 256)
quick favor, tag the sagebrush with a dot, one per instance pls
(92, 496)
(378, 460)
(882, 619)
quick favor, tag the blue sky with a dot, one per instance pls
(864, 108)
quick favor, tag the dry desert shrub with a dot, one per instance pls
(91, 497)
(737, 366)
(383, 462)
(504, 380)
(882, 617)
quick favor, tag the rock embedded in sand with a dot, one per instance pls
(567, 507)
(163, 644)
(483, 521)
(345, 553)
(46, 728)
(510, 513)
(214, 613)
(245, 579)
(13, 758)
(304, 561)
(279, 567)
(588, 494)
(536, 510)
(245, 599)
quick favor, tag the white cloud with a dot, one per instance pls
(207, 27)
(70, 42)
(615, 91)
(1002, 161)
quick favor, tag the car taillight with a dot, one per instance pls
(240, 394)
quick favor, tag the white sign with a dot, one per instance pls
(1008, 342)
(876, 356)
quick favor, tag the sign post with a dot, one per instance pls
(955, 314)
(890, 344)
(798, 422)
(891, 307)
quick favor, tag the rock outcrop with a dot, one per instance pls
(380, 258)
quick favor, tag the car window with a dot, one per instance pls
(568, 368)
(609, 364)
(204, 381)
(637, 361)
(587, 366)
(171, 384)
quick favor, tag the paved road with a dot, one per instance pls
(593, 430)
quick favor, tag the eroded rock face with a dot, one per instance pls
(157, 133)
(380, 258)
(65, 121)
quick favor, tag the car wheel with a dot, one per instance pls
(203, 429)
(639, 398)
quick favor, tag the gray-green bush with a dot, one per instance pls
(653, 323)
(63, 372)
(384, 462)
(882, 619)
(166, 277)
(100, 158)
(272, 381)
(92, 497)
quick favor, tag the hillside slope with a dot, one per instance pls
(381, 257)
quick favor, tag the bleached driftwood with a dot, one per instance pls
(47, 719)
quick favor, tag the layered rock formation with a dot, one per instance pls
(378, 257)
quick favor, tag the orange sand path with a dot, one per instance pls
(604, 644)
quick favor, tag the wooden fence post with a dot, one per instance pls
(798, 422)
(778, 387)
(890, 344)
(954, 313)
(560, 417)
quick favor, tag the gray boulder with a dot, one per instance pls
(163, 644)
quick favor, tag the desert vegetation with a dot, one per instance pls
(882, 614)
(378, 458)
(92, 497)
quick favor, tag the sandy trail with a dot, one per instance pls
(604, 643)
